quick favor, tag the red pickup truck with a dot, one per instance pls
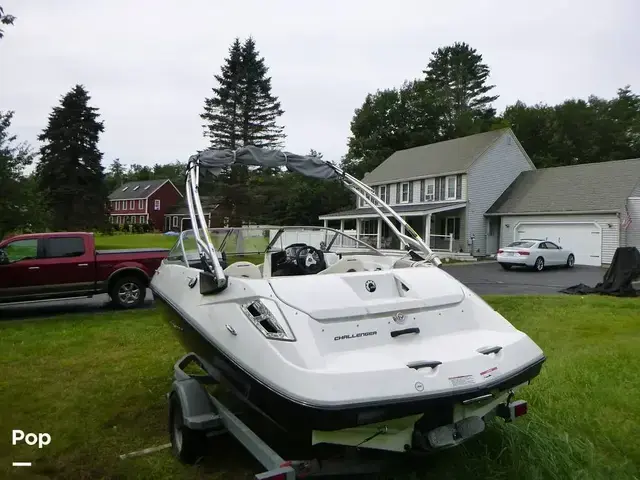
(46, 266)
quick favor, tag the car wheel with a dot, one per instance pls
(539, 265)
(506, 266)
(128, 292)
(571, 261)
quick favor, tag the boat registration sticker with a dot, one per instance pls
(462, 380)
(492, 372)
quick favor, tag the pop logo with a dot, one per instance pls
(41, 439)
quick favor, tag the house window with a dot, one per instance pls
(156, 204)
(175, 221)
(430, 189)
(143, 219)
(140, 204)
(451, 187)
(132, 205)
(404, 197)
(453, 226)
(124, 205)
(383, 192)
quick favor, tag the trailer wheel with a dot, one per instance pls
(128, 292)
(186, 444)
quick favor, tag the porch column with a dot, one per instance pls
(379, 233)
(342, 225)
(427, 229)
(402, 225)
(326, 223)
(358, 221)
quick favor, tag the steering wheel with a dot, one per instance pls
(310, 260)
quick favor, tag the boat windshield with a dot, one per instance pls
(322, 238)
(234, 244)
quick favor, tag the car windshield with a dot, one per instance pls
(521, 244)
(251, 243)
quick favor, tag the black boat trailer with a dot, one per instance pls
(195, 415)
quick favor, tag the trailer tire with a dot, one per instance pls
(187, 445)
(128, 291)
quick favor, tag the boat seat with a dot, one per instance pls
(346, 265)
(244, 270)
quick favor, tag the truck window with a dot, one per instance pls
(64, 247)
(22, 250)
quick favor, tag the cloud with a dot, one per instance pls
(149, 64)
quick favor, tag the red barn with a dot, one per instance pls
(145, 201)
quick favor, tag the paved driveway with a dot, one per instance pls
(488, 278)
(484, 278)
(97, 304)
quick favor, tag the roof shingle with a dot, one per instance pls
(588, 187)
(128, 190)
(440, 158)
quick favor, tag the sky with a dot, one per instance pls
(149, 64)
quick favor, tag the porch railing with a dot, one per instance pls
(441, 242)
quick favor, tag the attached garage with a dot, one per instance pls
(583, 207)
(593, 238)
(584, 239)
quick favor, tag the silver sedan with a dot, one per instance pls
(534, 253)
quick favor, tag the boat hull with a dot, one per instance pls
(297, 417)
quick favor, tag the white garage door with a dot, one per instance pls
(584, 239)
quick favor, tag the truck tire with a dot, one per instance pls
(128, 292)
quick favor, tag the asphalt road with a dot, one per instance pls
(488, 278)
(484, 278)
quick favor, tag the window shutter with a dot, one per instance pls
(421, 191)
(436, 190)
(387, 194)
(443, 186)
(410, 192)
(398, 193)
(458, 187)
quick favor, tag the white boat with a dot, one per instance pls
(332, 340)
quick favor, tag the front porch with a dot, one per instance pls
(443, 228)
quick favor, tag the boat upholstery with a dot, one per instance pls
(243, 269)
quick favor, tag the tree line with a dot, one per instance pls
(451, 99)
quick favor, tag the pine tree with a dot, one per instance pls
(260, 108)
(242, 111)
(458, 78)
(70, 173)
(222, 111)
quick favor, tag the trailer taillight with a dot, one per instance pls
(513, 410)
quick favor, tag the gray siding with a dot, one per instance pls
(610, 234)
(488, 177)
(636, 192)
(632, 233)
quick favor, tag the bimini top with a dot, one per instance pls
(214, 161)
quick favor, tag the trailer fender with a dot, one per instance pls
(198, 411)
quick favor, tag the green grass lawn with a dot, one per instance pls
(97, 384)
(139, 240)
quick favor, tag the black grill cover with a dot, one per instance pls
(624, 269)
